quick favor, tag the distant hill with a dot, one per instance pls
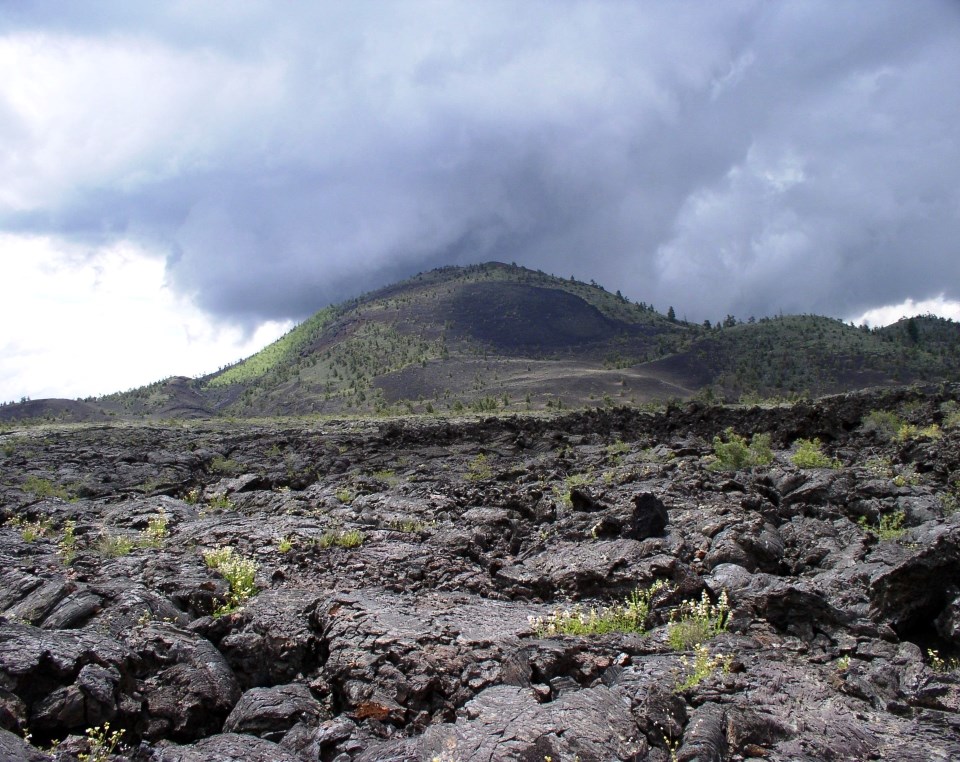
(498, 336)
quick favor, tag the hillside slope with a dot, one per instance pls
(497, 336)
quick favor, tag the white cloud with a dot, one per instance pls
(122, 112)
(77, 323)
(880, 316)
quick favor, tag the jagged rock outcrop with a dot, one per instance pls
(366, 590)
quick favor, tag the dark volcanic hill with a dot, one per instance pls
(498, 336)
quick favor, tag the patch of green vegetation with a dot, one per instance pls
(909, 431)
(803, 355)
(284, 544)
(44, 488)
(341, 538)
(734, 453)
(219, 503)
(629, 616)
(702, 666)
(578, 480)
(156, 532)
(939, 664)
(932, 431)
(888, 527)
(880, 466)
(653, 455)
(240, 574)
(68, 543)
(751, 398)
(809, 455)
(102, 744)
(618, 447)
(479, 469)
(907, 477)
(950, 500)
(31, 531)
(694, 622)
(345, 495)
(114, 545)
(574, 481)
(951, 414)
(411, 526)
(883, 422)
(270, 357)
(225, 466)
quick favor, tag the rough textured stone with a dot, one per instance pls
(271, 712)
(429, 635)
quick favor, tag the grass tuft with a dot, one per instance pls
(629, 616)
(694, 622)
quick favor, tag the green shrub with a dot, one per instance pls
(809, 455)
(345, 496)
(694, 622)
(889, 527)
(630, 616)
(239, 572)
(909, 431)
(761, 453)
(883, 422)
(479, 469)
(734, 453)
(951, 414)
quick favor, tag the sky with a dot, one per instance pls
(183, 181)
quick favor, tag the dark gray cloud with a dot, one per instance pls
(736, 157)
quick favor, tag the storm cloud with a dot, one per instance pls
(738, 157)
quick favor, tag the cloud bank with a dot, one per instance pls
(740, 157)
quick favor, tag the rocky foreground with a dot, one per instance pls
(596, 586)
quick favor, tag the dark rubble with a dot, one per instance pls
(418, 643)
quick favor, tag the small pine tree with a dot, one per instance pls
(671, 315)
(912, 331)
